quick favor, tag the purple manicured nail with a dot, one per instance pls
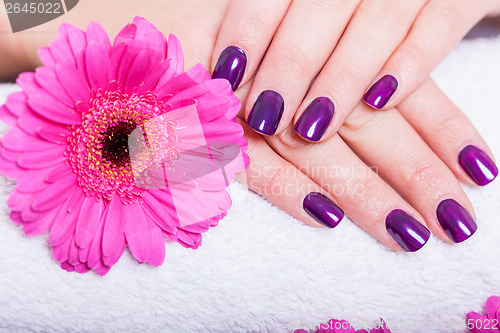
(313, 123)
(479, 166)
(322, 209)
(410, 234)
(231, 66)
(266, 112)
(455, 220)
(381, 91)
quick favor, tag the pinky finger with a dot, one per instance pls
(450, 134)
(437, 30)
(287, 187)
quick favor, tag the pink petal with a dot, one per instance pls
(188, 239)
(61, 51)
(61, 252)
(492, 305)
(17, 200)
(98, 65)
(479, 322)
(66, 219)
(158, 213)
(52, 109)
(137, 232)
(17, 103)
(154, 77)
(116, 56)
(73, 254)
(96, 33)
(46, 57)
(138, 72)
(123, 67)
(54, 194)
(94, 256)
(78, 44)
(67, 267)
(103, 270)
(17, 140)
(114, 230)
(182, 82)
(125, 35)
(157, 253)
(53, 133)
(174, 52)
(47, 79)
(6, 116)
(82, 268)
(59, 172)
(40, 226)
(76, 87)
(43, 159)
(33, 180)
(88, 221)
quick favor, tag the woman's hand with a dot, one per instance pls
(320, 57)
(286, 169)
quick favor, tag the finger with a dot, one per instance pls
(372, 35)
(363, 195)
(245, 34)
(303, 43)
(458, 144)
(436, 31)
(285, 186)
(386, 140)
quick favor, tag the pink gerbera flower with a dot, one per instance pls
(490, 322)
(106, 146)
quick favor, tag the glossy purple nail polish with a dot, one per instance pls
(479, 166)
(266, 112)
(231, 66)
(410, 234)
(322, 209)
(313, 123)
(455, 220)
(381, 91)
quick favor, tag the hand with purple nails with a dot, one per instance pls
(416, 190)
(343, 51)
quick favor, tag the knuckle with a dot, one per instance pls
(251, 29)
(449, 127)
(276, 178)
(421, 175)
(416, 55)
(290, 61)
(345, 76)
(385, 12)
(359, 120)
(452, 13)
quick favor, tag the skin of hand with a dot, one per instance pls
(311, 181)
(316, 59)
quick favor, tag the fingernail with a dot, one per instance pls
(381, 91)
(231, 66)
(410, 234)
(322, 209)
(266, 112)
(478, 165)
(455, 220)
(313, 123)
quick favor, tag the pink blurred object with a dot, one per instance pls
(92, 128)
(478, 323)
